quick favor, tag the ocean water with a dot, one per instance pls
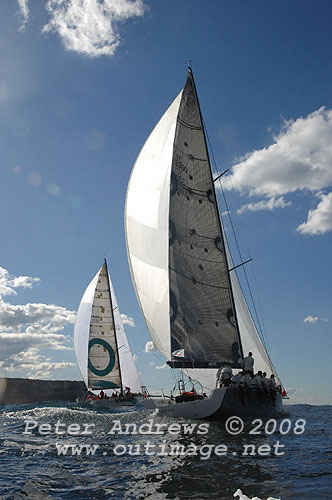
(71, 451)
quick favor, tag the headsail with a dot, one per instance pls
(97, 337)
(146, 222)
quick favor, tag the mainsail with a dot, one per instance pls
(100, 342)
(203, 320)
(177, 252)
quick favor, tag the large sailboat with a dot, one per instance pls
(101, 346)
(182, 270)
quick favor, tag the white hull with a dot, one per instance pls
(220, 405)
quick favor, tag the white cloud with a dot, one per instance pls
(310, 319)
(300, 158)
(44, 318)
(127, 320)
(90, 27)
(8, 282)
(319, 220)
(270, 204)
(26, 329)
(149, 347)
(44, 370)
(135, 357)
(13, 343)
(24, 11)
(37, 365)
(162, 367)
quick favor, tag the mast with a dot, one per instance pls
(115, 334)
(220, 222)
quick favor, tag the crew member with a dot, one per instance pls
(225, 375)
(256, 384)
(265, 385)
(272, 388)
(235, 380)
(248, 364)
(244, 387)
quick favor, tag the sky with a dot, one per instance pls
(82, 84)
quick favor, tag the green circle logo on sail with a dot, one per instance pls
(111, 363)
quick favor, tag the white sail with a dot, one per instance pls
(146, 222)
(178, 254)
(82, 328)
(98, 336)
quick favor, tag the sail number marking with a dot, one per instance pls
(111, 363)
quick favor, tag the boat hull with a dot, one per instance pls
(222, 404)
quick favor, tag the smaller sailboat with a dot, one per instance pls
(101, 347)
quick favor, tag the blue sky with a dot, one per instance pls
(78, 99)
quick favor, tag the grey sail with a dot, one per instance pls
(202, 315)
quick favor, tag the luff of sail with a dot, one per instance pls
(100, 342)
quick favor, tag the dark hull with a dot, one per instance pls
(222, 404)
(248, 408)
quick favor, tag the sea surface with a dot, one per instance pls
(71, 451)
